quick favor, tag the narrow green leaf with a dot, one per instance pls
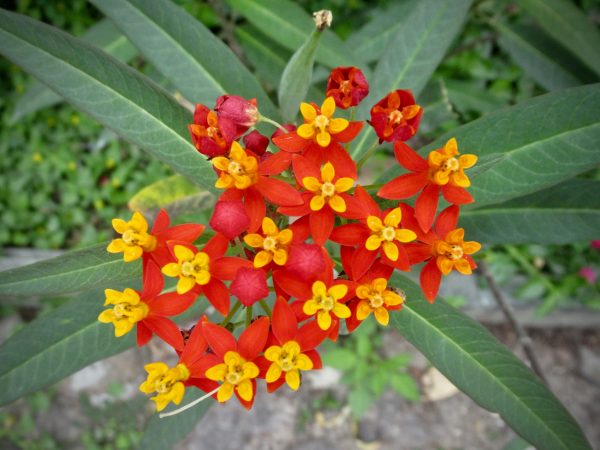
(74, 271)
(103, 35)
(173, 193)
(563, 21)
(568, 212)
(289, 25)
(56, 345)
(370, 41)
(116, 95)
(542, 58)
(198, 64)
(468, 96)
(412, 55)
(542, 145)
(296, 77)
(485, 370)
(164, 433)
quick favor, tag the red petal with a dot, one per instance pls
(369, 204)
(161, 222)
(301, 229)
(253, 339)
(409, 159)
(219, 339)
(249, 285)
(153, 281)
(349, 133)
(188, 232)
(426, 206)
(321, 224)
(352, 322)
(144, 334)
(202, 363)
(226, 268)
(351, 235)
(301, 210)
(457, 195)
(430, 280)
(166, 330)
(404, 186)
(334, 330)
(362, 261)
(278, 192)
(303, 168)
(255, 207)
(377, 270)
(247, 404)
(447, 221)
(284, 323)
(216, 246)
(315, 358)
(310, 335)
(195, 346)
(291, 285)
(291, 142)
(171, 304)
(272, 387)
(346, 254)
(401, 263)
(275, 164)
(217, 294)
(417, 252)
(342, 161)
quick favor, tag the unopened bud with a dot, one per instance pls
(322, 19)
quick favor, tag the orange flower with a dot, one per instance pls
(396, 116)
(348, 86)
(211, 135)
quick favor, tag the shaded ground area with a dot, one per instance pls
(101, 403)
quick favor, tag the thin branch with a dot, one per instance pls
(522, 336)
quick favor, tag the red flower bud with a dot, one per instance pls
(230, 218)
(211, 135)
(243, 113)
(305, 261)
(396, 116)
(256, 142)
(249, 285)
(348, 86)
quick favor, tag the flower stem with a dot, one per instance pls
(189, 405)
(367, 155)
(265, 307)
(232, 312)
(373, 186)
(272, 122)
(248, 315)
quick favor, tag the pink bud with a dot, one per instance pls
(243, 113)
(249, 285)
(596, 244)
(589, 274)
(305, 261)
(256, 142)
(230, 218)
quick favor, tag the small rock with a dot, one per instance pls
(589, 364)
(436, 386)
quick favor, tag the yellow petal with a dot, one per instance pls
(308, 111)
(250, 370)
(244, 388)
(292, 378)
(341, 310)
(374, 223)
(269, 227)
(373, 242)
(456, 236)
(338, 291)
(323, 138)
(382, 315)
(337, 203)
(471, 247)
(436, 158)
(317, 203)
(451, 147)
(254, 240)
(392, 299)
(262, 258)
(363, 291)
(225, 181)
(379, 285)
(237, 153)
(280, 256)
(132, 253)
(441, 178)
(107, 316)
(327, 172)
(324, 320)
(303, 362)
(225, 392)
(338, 125)
(444, 264)
(463, 266)
(393, 218)
(391, 251)
(273, 373)
(312, 184)
(203, 277)
(273, 353)
(319, 288)
(285, 236)
(120, 225)
(328, 107)
(363, 310)
(466, 161)
(405, 235)
(306, 131)
(183, 253)
(217, 373)
(185, 284)
(220, 162)
(171, 269)
(344, 184)
(459, 178)
(115, 246)
(310, 307)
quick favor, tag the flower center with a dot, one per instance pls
(395, 117)
(270, 243)
(144, 240)
(456, 252)
(327, 302)
(388, 233)
(328, 189)
(193, 267)
(234, 375)
(346, 87)
(235, 168)
(165, 382)
(376, 301)
(451, 164)
(321, 122)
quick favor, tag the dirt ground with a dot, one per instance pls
(445, 419)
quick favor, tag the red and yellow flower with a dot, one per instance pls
(348, 86)
(211, 135)
(273, 244)
(396, 116)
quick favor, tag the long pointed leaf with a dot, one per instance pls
(412, 55)
(542, 144)
(185, 51)
(114, 94)
(74, 271)
(484, 369)
(568, 212)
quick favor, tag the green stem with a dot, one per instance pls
(265, 307)
(232, 312)
(248, 315)
(367, 155)
(373, 186)
(272, 122)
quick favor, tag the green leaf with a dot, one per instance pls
(405, 386)
(289, 25)
(370, 41)
(103, 35)
(540, 57)
(56, 345)
(568, 212)
(74, 271)
(175, 193)
(296, 77)
(340, 358)
(563, 21)
(198, 64)
(412, 55)
(541, 144)
(360, 400)
(114, 94)
(469, 356)
(468, 96)
(164, 433)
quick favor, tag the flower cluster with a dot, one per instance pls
(284, 199)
